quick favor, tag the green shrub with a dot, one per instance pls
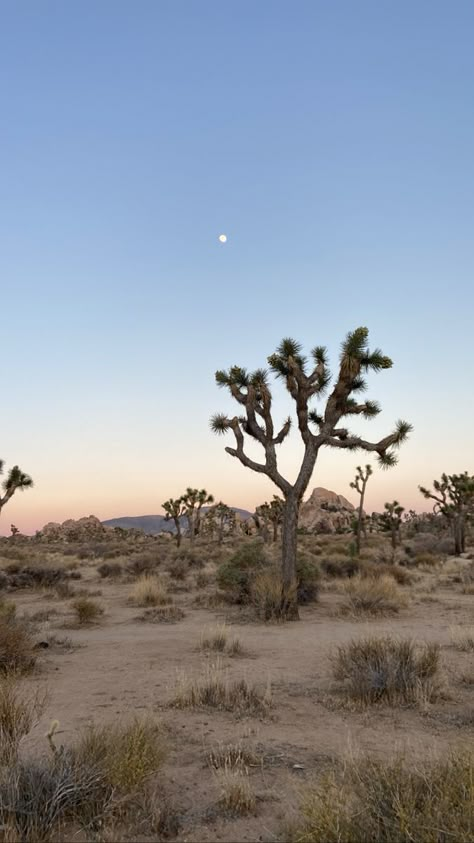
(235, 575)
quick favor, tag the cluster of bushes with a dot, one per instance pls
(252, 577)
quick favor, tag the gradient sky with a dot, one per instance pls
(333, 142)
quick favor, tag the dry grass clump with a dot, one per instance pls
(178, 569)
(388, 670)
(236, 795)
(126, 755)
(143, 563)
(17, 654)
(149, 591)
(216, 640)
(372, 596)
(162, 614)
(375, 802)
(462, 638)
(266, 591)
(383, 569)
(234, 754)
(87, 611)
(7, 610)
(214, 691)
(426, 559)
(18, 713)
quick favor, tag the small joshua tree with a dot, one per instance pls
(16, 480)
(175, 509)
(391, 520)
(317, 429)
(277, 507)
(226, 520)
(454, 498)
(360, 484)
(262, 520)
(194, 500)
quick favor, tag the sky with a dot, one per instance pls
(332, 142)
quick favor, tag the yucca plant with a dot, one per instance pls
(360, 484)
(251, 390)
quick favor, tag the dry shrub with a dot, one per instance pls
(340, 566)
(87, 611)
(143, 563)
(372, 596)
(17, 654)
(236, 795)
(149, 591)
(216, 639)
(126, 755)
(370, 801)
(388, 670)
(462, 638)
(426, 559)
(213, 691)
(178, 569)
(110, 570)
(382, 569)
(162, 614)
(233, 754)
(7, 610)
(202, 579)
(18, 713)
(266, 591)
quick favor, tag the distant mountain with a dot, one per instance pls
(154, 524)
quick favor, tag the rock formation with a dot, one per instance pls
(326, 512)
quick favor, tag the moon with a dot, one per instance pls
(223, 238)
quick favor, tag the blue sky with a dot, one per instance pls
(331, 142)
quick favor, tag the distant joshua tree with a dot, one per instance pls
(270, 513)
(262, 520)
(454, 498)
(16, 480)
(194, 500)
(223, 518)
(175, 509)
(252, 392)
(360, 484)
(391, 521)
(14, 530)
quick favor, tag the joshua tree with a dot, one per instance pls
(175, 509)
(225, 517)
(454, 498)
(317, 429)
(194, 500)
(360, 484)
(262, 520)
(16, 479)
(14, 530)
(391, 520)
(277, 507)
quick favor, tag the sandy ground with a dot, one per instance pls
(124, 666)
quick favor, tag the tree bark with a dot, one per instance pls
(459, 539)
(275, 531)
(289, 539)
(178, 532)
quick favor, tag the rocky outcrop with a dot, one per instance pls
(326, 512)
(84, 529)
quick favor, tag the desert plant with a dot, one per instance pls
(193, 500)
(214, 691)
(126, 754)
(252, 392)
(236, 795)
(391, 520)
(18, 713)
(16, 480)
(17, 653)
(360, 485)
(235, 575)
(174, 511)
(149, 591)
(462, 638)
(454, 499)
(87, 611)
(110, 570)
(216, 639)
(371, 801)
(372, 596)
(385, 669)
(162, 614)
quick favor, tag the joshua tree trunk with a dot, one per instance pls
(178, 533)
(359, 524)
(459, 538)
(275, 532)
(289, 540)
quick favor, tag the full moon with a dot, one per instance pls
(223, 238)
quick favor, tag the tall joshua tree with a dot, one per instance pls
(317, 429)
(454, 498)
(175, 509)
(16, 480)
(360, 485)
